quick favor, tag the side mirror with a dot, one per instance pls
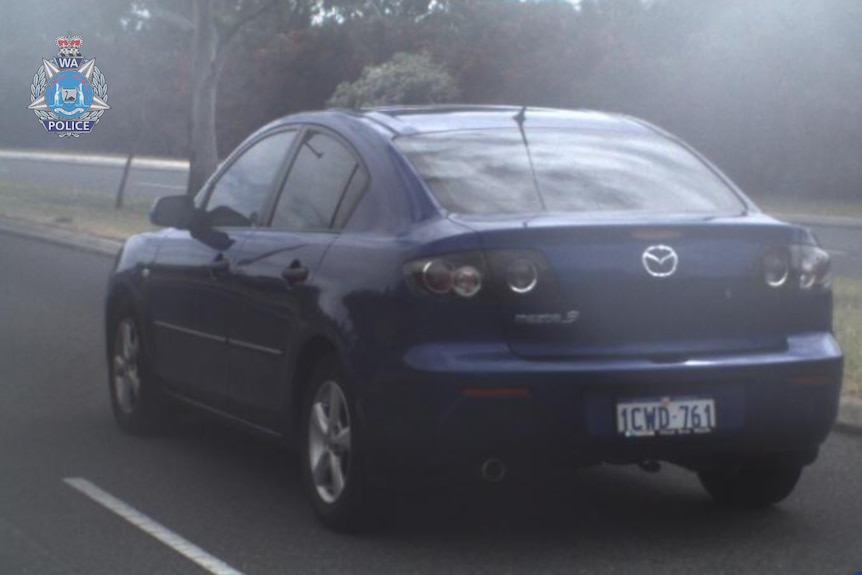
(173, 212)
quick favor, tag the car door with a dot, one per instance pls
(276, 272)
(190, 284)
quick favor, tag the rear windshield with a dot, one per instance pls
(488, 172)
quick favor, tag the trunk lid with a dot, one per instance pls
(599, 299)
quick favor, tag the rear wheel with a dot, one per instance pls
(135, 401)
(751, 485)
(332, 464)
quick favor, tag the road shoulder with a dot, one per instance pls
(51, 234)
(850, 414)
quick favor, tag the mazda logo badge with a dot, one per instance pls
(660, 261)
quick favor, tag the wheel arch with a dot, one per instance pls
(312, 351)
(122, 294)
(119, 295)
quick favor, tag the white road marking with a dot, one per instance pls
(177, 543)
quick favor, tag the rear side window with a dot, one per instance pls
(239, 195)
(489, 172)
(323, 171)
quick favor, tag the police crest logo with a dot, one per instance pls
(69, 93)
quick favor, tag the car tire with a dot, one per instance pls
(750, 486)
(136, 400)
(332, 451)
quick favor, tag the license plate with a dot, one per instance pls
(665, 416)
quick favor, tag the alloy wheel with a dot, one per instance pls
(126, 376)
(329, 441)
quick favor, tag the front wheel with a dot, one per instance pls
(751, 485)
(332, 451)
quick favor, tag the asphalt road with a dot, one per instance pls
(240, 501)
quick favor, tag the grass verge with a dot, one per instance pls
(848, 330)
(85, 210)
(810, 207)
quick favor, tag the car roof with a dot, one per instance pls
(409, 120)
(394, 121)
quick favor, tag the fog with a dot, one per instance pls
(768, 89)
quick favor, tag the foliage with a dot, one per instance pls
(405, 79)
(766, 88)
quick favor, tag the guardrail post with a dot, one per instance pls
(118, 203)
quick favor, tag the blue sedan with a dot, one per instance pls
(421, 293)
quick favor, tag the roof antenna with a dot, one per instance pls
(520, 118)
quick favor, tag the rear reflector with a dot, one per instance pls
(811, 380)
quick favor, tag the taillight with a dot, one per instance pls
(499, 273)
(459, 274)
(466, 281)
(522, 276)
(776, 267)
(803, 267)
(813, 266)
(436, 276)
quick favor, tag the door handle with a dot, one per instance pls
(219, 267)
(295, 273)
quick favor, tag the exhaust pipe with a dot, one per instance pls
(493, 470)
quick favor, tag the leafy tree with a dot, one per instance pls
(529, 53)
(768, 89)
(213, 25)
(404, 10)
(214, 28)
(405, 79)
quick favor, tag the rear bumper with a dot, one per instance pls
(426, 416)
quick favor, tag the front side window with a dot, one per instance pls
(323, 170)
(239, 195)
(496, 172)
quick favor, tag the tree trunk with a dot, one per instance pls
(204, 153)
